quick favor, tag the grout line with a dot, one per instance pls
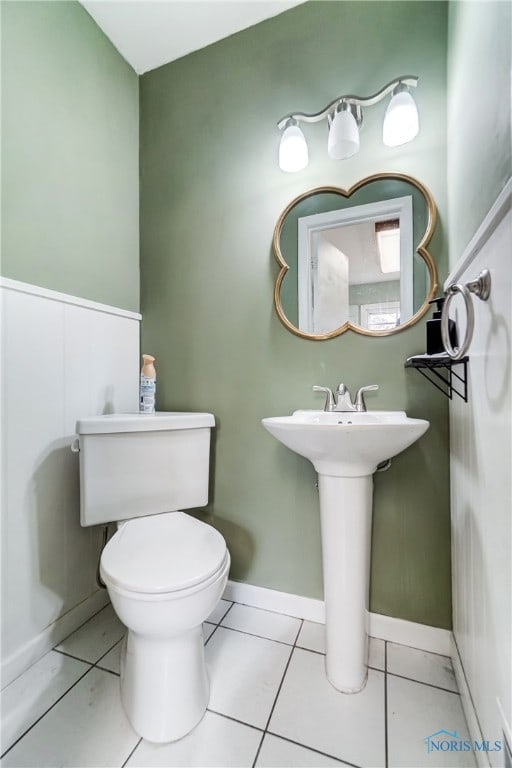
(234, 719)
(386, 751)
(104, 669)
(280, 686)
(70, 656)
(311, 650)
(321, 653)
(298, 632)
(216, 624)
(83, 625)
(395, 674)
(111, 648)
(223, 615)
(88, 661)
(415, 648)
(278, 613)
(46, 711)
(253, 764)
(422, 682)
(131, 753)
(278, 692)
(279, 689)
(253, 634)
(312, 749)
(278, 736)
(212, 634)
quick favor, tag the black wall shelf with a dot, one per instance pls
(439, 370)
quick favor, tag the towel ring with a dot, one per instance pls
(481, 287)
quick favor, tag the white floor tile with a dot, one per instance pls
(310, 711)
(420, 665)
(273, 626)
(216, 741)
(416, 711)
(245, 673)
(278, 752)
(219, 612)
(208, 629)
(112, 660)
(30, 695)
(312, 637)
(95, 638)
(86, 729)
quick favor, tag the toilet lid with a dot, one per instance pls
(162, 553)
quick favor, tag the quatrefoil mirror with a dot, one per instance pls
(356, 259)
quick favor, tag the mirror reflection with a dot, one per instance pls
(356, 259)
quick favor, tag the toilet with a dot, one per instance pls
(164, 570)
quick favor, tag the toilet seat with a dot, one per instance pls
(162, 554)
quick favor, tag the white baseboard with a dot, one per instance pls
(271, 600)
(475, 733)
(51, 636)
(420, 636)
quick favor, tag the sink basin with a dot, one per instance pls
(348, 444)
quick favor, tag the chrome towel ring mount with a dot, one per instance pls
(480, 287)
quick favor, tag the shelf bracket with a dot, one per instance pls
(439, 370)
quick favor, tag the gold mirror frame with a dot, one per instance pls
(421, 250)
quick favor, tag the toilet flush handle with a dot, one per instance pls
(75, 445)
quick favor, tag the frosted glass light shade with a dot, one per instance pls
(343, 138)
(401, 123)
(293, 150)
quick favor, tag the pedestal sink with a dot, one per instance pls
(345, 449)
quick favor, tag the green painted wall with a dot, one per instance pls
(211, 192)
(69, 155)
(479, 113)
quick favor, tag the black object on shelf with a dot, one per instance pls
(435, 344)
(439, 370)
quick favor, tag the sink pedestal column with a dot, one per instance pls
(346, 514)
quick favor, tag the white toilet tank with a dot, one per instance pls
(132, 464)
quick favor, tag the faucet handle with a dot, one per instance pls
(360, 403)
(330, 403)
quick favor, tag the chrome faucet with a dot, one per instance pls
(330, 402)
(342, 402)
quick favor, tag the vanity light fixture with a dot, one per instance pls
(345, 117)
(343, 140)
(293, 150)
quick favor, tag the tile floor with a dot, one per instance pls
(270, 703)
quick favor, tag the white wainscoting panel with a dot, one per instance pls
(62, 359)
(481, 488)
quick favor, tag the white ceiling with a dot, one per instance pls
(149, 33)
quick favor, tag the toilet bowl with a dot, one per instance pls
(164, 570)
(164, 574)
